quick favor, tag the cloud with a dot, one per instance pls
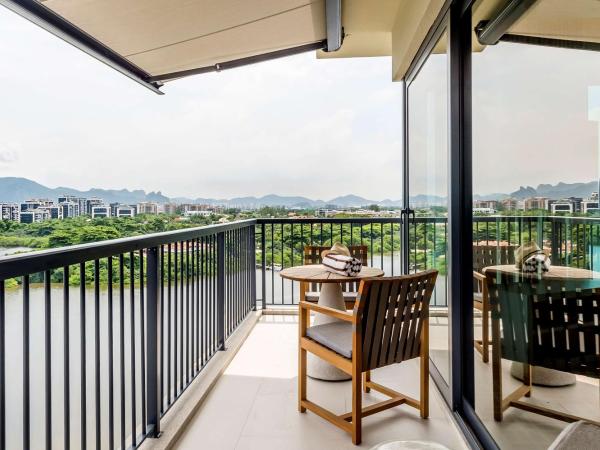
(8, 155)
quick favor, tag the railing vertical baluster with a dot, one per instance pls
(169, 366)
(122, 346)
(142, 343)
(263, 263)
(252, 269)
(196, 328)
(83, 343)
(221, 290)
(272, 263)
(66, 362)
(371, 249)
(162, 330)
(381, 242)
(2, 366)
(26, 367)
(282, 266)
(111, 415)
(392, 244)
(187, 312)
(292, 264)
(203, 305)
(97, 352)
(153, 342)
(181, 319)
(48, 357)
(132, 347)
(175, 316)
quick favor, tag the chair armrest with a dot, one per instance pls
(479, 276)
(342, 315)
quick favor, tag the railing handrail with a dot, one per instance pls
(54, 258)
(341, 220)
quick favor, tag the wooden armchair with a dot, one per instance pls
(312, 255)
(389, 324)
(484, 256)
(546, 323)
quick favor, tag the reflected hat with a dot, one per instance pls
(525, 251)
(336, 249)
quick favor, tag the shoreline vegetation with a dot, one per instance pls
(284, 243)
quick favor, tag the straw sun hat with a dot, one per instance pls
(336, 249)
(525, 251)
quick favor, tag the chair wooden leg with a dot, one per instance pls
(527, 378)
(356, 408)
(304, 318)
(424, 399)
(496, 370)
(485, 330)
(366, 379)
(301, 379)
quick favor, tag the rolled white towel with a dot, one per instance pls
(342, 265)
(537, 263)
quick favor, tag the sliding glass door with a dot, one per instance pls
(428, 188)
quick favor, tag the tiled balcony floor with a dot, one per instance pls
(253, 404)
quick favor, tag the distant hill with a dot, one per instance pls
(14, 189)
(560, 190)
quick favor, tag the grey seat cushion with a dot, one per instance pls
(312, 296)
(577, 436)
(336, 336)
(478, 297)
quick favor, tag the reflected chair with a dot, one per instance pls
(389, 324)
(485, 256)
(546, 323)
(312, 255)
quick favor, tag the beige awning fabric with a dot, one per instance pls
(163, 37)
(573, 20)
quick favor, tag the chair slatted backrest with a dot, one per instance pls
(392, 312)
(312, 255)
(547, 324)
(492, 255)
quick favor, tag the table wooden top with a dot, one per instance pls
(556, 273)
(316, 273)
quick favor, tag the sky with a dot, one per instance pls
(294, 126)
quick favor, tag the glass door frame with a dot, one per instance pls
(441, 26)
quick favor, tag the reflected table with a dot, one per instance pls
(331, 295)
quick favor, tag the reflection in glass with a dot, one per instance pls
(535, 186)
(428, 188)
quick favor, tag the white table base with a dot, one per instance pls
(542, 376)
(332, 297)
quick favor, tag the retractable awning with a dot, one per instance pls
(153, 41)
(560, 23)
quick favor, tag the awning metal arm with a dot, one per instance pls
(240, 62)
(62, 28)
(489, 32)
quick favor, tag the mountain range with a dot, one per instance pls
(16, 189)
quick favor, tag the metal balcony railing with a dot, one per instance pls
(98, 341)
(571, 241)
